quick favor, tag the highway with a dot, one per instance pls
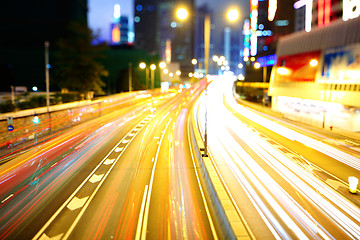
(133, 174)
(129, 174)
(287, 184)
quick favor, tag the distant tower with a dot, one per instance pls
(119, 28)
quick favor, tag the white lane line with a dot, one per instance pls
(144, 225)
(213, 230)
(141, 217)
(125, 141)
(7, 198)
(42, 230)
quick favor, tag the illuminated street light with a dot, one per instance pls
(165, 71)
(215, 58)
(257, 65)
(178, 72)
(182, 13)
(193, 61)
(162, 65)
(240, 65)
(152, 67)
(233, 15)
(191, 74)
(142, 65)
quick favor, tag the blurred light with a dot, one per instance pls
(246, 59)
(117, 11)
(34, 88)
(178, 72)
(191, 74)
(233, 15)
(171, 74)
(48, 66)
(272, 9)
(36, 119)
(139, 7)
(257, 65)
(351, 9)
(222, 58)
(227, 68)
(240, 65)
(165, 71)
(162, 65)
(153, 67)
(187, 85)
(137, 19)
(226, 63)
(173, 24)
(314, 62)
(222, 68)
(353, 182)
(142, 65)
(193, 61)
(299, 4)
(252, 59)
(196, 75)
(241, 77)
(308, 15)
(283, 71)
(182, 13)
(215, 58)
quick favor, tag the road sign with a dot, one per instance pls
(9, 120)
(10, 128)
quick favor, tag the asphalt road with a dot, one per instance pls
(129, 174)
(287, 184)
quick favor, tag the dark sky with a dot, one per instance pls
(101, 11)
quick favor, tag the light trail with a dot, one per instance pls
(268, 195)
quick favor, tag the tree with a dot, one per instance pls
(76, 62)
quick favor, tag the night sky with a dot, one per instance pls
(101, 11)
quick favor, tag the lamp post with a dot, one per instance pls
(130, 76)
(152, 75)
(47, 66)
(142, 65)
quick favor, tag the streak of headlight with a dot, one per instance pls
(263, 148)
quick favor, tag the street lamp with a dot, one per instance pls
(182, 13)
(142, 65)
(152, 73)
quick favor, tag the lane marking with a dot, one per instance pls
(141, 217)
(119, 149)
(77, 203)
(125, 141)
(57, 237)
(147, 207)
(96, 178)
(109, 161)
(7, 198)
(47, 224)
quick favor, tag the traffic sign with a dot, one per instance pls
(9, 120)
(10, 128)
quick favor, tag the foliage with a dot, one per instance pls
(7, 106)
(76, 63)
(33, 102)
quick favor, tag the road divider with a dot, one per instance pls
(228, 220)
